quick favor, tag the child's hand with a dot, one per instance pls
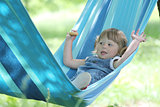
(140, 38)
(72, 35)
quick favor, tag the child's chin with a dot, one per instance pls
(102, 57)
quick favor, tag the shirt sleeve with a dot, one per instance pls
(86, 58)
(112, 60)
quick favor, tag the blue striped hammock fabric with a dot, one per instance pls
(29, 70)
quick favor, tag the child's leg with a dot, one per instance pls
(82, 80)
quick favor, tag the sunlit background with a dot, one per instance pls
(137, 85)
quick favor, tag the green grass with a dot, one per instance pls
(136, 86)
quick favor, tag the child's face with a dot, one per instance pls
(106, 48)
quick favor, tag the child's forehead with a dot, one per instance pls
(103, 37)
(106, 39)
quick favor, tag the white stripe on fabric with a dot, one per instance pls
(90, 22)
(83, 14)
(25, 65)
(10, 83)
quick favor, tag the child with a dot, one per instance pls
(111, 51)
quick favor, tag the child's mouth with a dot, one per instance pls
(103, 53)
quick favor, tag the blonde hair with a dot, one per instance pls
(115, 35)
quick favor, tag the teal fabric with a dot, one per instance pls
(29, 70)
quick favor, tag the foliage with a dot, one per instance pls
(37, 6)
(114, 105)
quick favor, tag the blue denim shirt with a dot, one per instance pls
(98, 68)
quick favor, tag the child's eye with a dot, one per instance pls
(109, 44)
(101, 43)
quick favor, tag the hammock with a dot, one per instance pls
(29, 70)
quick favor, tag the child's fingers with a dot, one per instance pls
(74, 30)
(144, 37)
(74, 37)
(68, 35)
(73, 33)
(132, 32)
(142, 34)
(137, 32)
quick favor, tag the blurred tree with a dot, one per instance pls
(37, 6)
(158, 4)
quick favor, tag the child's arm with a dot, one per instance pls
(67, 54)
(131, 48)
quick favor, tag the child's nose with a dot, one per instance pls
(105, 45)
